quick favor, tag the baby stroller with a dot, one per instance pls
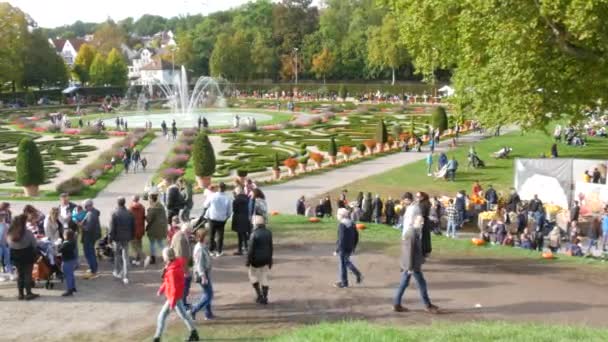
(502, 153)
(44, 271)
(104, 249)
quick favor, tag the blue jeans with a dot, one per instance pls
(346, 265)
(164, 312)
(405, 281)
(88, 247)
(187, 284)
(206, 298)
(68, 268)
(5, 254)
(160, 243)
(451, 230)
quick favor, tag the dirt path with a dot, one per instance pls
(301, 292)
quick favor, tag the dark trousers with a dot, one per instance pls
(24, 277)
(217, 228)
(243, 237)
(405, 282)
(345, 265)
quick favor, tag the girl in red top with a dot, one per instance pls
(173, 289)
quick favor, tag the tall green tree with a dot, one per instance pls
(99, 70)
(292, 21)
(263, 57)
(41, 64)
(385, 49)
(13, 37)
(83, 62)
(519, 62)
(231, 57)
(116, 69)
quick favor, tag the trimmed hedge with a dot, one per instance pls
(203, 156)
(30, 167)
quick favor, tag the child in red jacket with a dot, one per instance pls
(173, 289)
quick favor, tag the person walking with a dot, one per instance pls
(185, 188)
(259, 259)
(412, 259)
(139, 214)
(91, 232)
(122, 231)
(219, 210)
(156, 226)
(202, 276)
(135, 159)
(173, 289)
(453, 219)
(180, 244)
(175, 201)
(241, 223)
(22, 244)
(348, 238)
(70, 261)
(429, 164)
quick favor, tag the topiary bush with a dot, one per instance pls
(361, 148)
(342, 93)
(440, 119)
(30, 167)
(276, 162)
(397, 130)
(242, 173)
(333, 147)
(203, 156)
(72, 186)
(381, 133)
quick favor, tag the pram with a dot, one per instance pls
(104, 249)
(442, 173)
(502, 153)
(43, 269)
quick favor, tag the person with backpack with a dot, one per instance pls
(348, 238)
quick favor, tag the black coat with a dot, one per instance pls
(260, 248)
(377, 207)
(390, 208)
(175, 201)
(348, 238)
(240, 214)
(327, 210)
(491, 196)
(513, 202)
(301, 208)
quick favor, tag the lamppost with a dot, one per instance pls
(295, 50)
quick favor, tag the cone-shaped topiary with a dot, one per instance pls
(381, 134)
(342, 91)
(440, 119)
(30, 167)
(333, 147)
(276, 162)
(203, 156)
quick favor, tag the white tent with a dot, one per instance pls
(446, 90)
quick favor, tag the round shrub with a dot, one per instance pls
(203, 156)
(242, 173)
(72, 186)
(440, 119)
(30, 167)
(361, 148)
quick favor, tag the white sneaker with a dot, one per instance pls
(116, 275)
(219, 254)
(147, 261)
(125, 281)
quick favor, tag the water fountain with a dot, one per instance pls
(184, 106)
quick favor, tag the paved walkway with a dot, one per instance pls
(282, 197)
(125, 185)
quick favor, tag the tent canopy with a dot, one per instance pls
(70, 89)
(449, 91)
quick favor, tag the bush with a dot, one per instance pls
(317, 157)
(361, 148)
(242, 173)
(72, 186)
(333, 148)
(30, 167)
(440, 119)
(203, 156)
(381, 134)
(92, 130)
(342, 93)
(291, 163)
(397, 130)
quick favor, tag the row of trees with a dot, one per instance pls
(93, 67)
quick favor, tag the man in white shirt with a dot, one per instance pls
(218, 210)
(65, 210)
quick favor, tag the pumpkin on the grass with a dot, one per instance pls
(314, 219)
(548, 255)
(360, 226)
(478, 241)
(274, 213)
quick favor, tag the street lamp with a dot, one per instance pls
(295, 50)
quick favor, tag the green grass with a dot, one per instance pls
(377, 236)
(465, 332)
(498, 172)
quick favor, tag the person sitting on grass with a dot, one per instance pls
(70, 261)
(500, 231)
(202, 275)
(173, 289)
(526, 240)
(554, 239)
(508, 241)
(576, 248)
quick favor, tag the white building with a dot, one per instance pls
(158, 70)
(67, 49)
(142, 58)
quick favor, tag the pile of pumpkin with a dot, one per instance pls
(487, 215)
(553, 209)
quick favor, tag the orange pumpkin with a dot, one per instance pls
(274, 213)
(548, 255)
(360, 226)
(314, 219)
(478, 241)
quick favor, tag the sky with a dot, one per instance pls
(53, 13)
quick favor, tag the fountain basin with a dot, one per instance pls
(187, 120)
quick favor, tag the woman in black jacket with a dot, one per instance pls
(240, 219)
(425, 210)
(22, 244)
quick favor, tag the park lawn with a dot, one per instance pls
(291, 228)
(443, 331)
(498, 172)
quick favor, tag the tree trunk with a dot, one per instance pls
(324, 79)
(393, 76)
